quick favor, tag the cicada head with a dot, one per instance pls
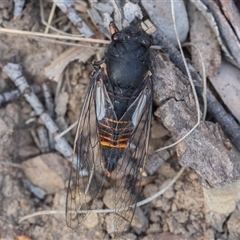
(133, 33)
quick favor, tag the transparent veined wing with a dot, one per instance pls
(127, 174)
(83, 186)
(90, 178)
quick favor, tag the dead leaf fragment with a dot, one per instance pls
(225, 29)
(227, 84)
(232, 14)
(21, 236)
(55, 69)
(160, 14)
(205, 40)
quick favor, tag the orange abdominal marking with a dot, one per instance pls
(110, 133)
(108, 144)
(104, 125)
(109, 127)
(112, 140)
(115, 121)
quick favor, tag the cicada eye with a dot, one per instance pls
(146, 42)
(117, 37)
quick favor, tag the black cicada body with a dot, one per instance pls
(113, 130)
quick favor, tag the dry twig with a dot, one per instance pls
(70, 11)
(18, 7)
(14, 72)
(13, 95)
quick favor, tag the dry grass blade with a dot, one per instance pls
(204, 78)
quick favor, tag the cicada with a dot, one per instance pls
(113, 130)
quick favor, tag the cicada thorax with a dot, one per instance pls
(125, 74)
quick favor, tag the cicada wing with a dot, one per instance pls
(128, 170)
(83, 187)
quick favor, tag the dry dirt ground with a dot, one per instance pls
(180, 213)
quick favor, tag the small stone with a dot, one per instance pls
(169, 193)
(192, 217)
(166, 171)
(196, 225)
(165, 227)
(209, 234)
(174, 207)
(191, 230)
(154, 217)
(216, 220)
(234, 224)
(178, 185)
(193, 176)
(59, 200)
(48, 172)
(129, 236)
(172, 224)
(167, 236)
(158, 130)
(139, 222)
(154, 228)
(149, 190)
(28, 151)
(49, 199)
(158, 203)
(181, 216)
(91, 220)
(166, 205)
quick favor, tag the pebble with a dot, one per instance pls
(154, 217)
(47, 171)
(174, 207)
(91, 220)
(193, 176)
(140, 221)
(154, 228)
(216, 220)
(129, 236)
(234, 224)
(169, 193)
(149, 190)
(191, 230)
(209, 234)
(181, 216)
(28, 151)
